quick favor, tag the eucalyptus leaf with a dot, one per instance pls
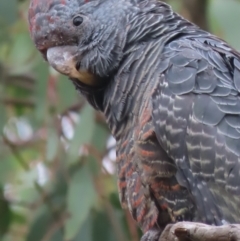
(83, 133)
(81, 198)
(8, 11)
(225, 19)
(5, 214)
(42, 226)
(52, 143)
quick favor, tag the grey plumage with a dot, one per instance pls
(170, 94)
(210, 128)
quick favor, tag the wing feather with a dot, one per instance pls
(197, 122)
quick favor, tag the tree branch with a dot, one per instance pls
(23, 102)
(188, 231)
(197, 12)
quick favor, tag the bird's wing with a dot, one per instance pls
(196, 115)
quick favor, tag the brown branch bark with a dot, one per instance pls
(197, 12)
(16, 102)
(188, 231)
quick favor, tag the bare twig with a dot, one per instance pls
(132, 226)
(76, 107)
(16, 154)
(55, 226)
(38, 137)
(114, 221)
(22, 81)
(23, 102)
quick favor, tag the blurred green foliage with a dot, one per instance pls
(57, 177)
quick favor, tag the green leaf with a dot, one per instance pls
(18, 218)
(52, 143)
(42, 75)
(228, 18)
(67, 93)
(5, 214)
(80, 199)
(41, 226)
(21, 53)
(2, 91)
(2, 117)
(83, 133)
(8, 11)
(85, 232)
(8, 167)
(101, 134)
(101, 230)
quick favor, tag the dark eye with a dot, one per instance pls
(77, 21)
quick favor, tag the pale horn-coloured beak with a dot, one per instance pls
(63, 59)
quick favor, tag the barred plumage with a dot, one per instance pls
(170, 94)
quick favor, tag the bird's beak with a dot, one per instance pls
(64, 60)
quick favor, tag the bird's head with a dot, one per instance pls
(83, 39)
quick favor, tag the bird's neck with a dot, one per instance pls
(149, 30)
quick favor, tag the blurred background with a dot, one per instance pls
(57, 157)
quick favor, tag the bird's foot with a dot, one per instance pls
(151, 235)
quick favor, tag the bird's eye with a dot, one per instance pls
(77, 21)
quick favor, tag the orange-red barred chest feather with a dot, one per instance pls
(147, 183)
(134, 192)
